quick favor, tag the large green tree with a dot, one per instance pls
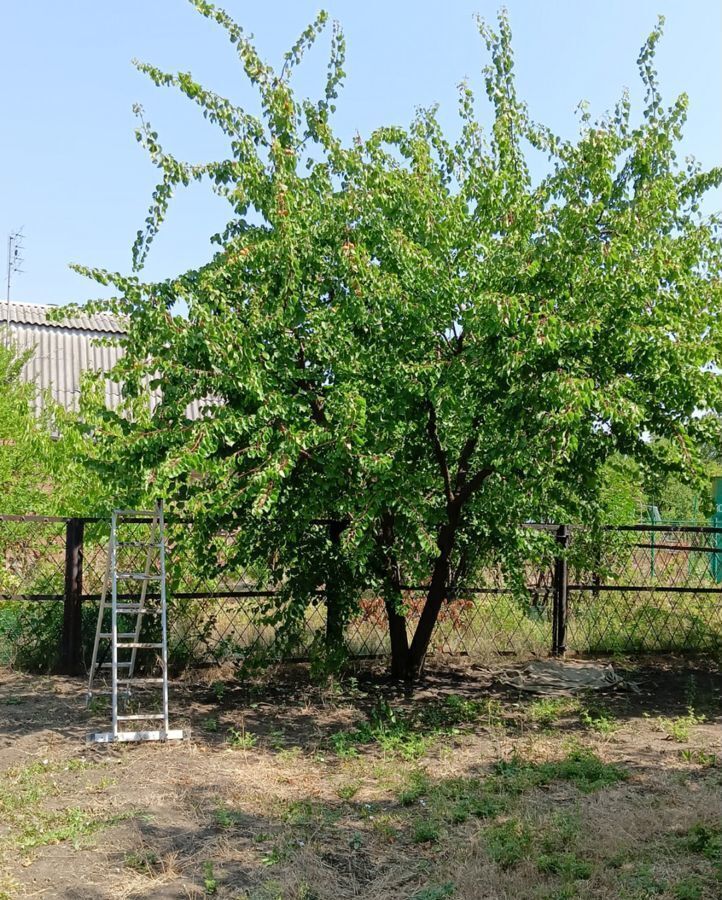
(409, 346)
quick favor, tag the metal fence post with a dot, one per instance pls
(71, 645)
(560, 598)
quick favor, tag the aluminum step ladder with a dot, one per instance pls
(133, 602)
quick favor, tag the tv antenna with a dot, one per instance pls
(15, 261)
(15, 257)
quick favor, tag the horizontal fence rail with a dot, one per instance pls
(630, 588)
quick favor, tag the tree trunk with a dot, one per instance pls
(393, 599)
(334, 606)
(334, 621)
(399, 641)
(437, 593)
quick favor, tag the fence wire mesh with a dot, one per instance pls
(630, 589)
(32, 575)
(646, 589)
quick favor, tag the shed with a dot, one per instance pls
(62, 350)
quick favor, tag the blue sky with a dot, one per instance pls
(72, 173)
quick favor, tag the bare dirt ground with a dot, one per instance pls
(466, 789)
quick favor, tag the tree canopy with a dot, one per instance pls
(43, 458)
(409, 346)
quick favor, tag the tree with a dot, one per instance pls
(43, 456)
(407, 346)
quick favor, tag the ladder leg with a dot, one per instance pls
(99, 627)
(163, 618)
(143, 592)
(114, 622)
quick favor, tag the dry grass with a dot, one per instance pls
(463, 791)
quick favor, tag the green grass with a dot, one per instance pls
(582, 768)
(435, 892)
(705, 840)
(410, 735)
(348, 791)
(29, 826)
(508, 842)
(548, 710)
(425, 832)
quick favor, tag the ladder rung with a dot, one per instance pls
(137, 576)
(109, 634)
(107, 737)
(141, 717)
(140, 645)
(138, 544)
(136, 607)
(109, 692)
(120, 665)
(141, 680)
(136, 512)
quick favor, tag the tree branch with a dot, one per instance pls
(474, 483)
(467, 451)
(439, 451)
(317, 413)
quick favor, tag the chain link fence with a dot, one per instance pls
(624, 589)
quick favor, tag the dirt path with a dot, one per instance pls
(285, 790)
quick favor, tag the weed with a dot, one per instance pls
(276, 740)
(582, 767)
(644, 883)
(559, 833)
(679, 729)
(384, 828)
(425, 832)
(409, 736)
(218, 689)
(240, 739)
(547, 710)
(508, 842)
(356, 841)
(435, 892)
(142, 861)
(272, 858)
(567, 865)
(210, 724)
(690, 888)
(348, 791)
(97, 705)
(54, 828)
(418, 786)
(227, 818)
(210, 884)
(698, 757)
(454, 711)
(705, 840)
(601, 723)
(288, 754)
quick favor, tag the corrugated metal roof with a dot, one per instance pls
(62, 351)
(32, 314)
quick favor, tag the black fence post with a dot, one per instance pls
(560, 598)
(71, 644)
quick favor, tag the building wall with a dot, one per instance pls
(62, 351)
